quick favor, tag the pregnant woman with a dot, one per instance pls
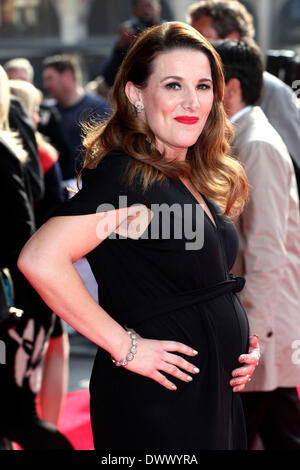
(153, 219)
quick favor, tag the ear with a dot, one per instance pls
(233, 86)
(133, 94)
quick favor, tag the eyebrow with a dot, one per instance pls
(175, 77)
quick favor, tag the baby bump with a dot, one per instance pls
(228, 319)
(217, 329)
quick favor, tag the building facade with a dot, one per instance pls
(36, 28)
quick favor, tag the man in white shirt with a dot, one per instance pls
(269, 252)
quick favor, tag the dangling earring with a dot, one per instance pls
(139, 108)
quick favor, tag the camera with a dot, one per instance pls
(285, 64)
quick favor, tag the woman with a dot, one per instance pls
(31, 98)
(169, 130)
(26, 338)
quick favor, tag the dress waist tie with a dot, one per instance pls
(184, 299)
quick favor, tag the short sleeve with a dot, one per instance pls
(104, 188)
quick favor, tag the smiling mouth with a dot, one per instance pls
(187, 119)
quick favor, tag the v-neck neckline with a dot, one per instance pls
(211, 219)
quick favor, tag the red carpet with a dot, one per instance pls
(75, 420)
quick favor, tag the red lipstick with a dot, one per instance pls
(187, 119)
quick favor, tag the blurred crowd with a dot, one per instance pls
(41, 154)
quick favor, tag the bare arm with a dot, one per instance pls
(47, 262)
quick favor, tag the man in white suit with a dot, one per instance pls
(269, 253)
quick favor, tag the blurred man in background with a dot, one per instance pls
(62, 80)
(146, 13)
(269, 251)
(224, 19)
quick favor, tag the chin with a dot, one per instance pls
(185, 144)
(188, 139)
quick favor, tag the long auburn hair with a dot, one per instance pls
(208, 164)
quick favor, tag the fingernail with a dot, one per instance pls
(196, 369)
(242, 357)
(189, 378)
(174, 387)
(194, 351)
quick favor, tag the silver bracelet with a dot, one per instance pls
(132, 352)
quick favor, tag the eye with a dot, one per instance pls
(204, 86)
(173, 86)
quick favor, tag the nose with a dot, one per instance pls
(190, 100)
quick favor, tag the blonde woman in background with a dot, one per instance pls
(31, 97)
(26, 338)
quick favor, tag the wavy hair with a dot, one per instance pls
(208, 164)
(227, 16)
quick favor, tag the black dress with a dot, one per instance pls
(166, 290)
